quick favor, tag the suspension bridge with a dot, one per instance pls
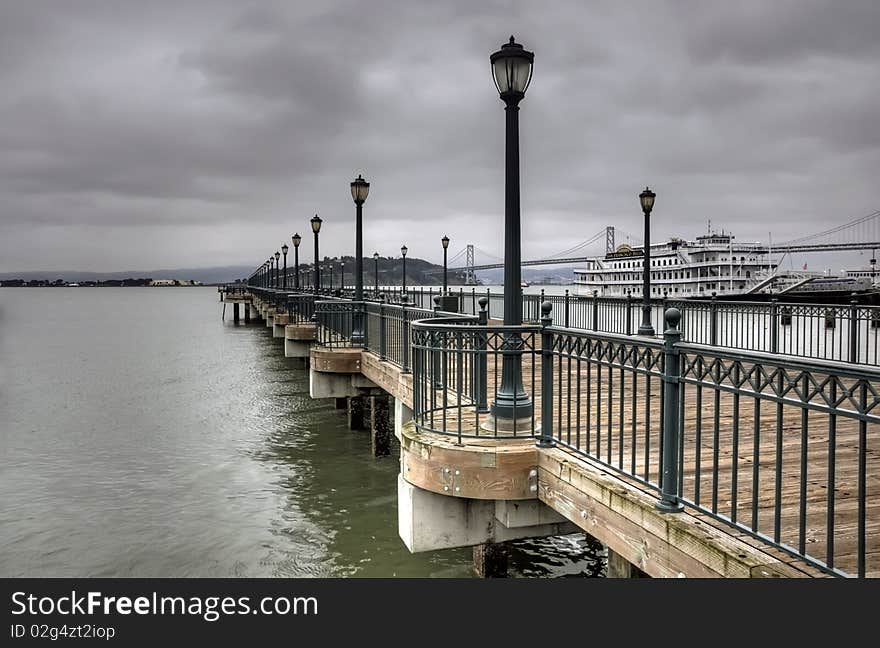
(862, 233)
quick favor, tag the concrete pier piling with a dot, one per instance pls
(235, 315)
(381, 425)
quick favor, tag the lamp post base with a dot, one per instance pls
(647, 330)
(669, 507)
(518, 427)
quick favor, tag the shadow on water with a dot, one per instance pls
(328, 475)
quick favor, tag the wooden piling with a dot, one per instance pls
(491, 560)
(356, 413)
(620, 567)
(381, 425)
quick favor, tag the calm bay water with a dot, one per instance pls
(142, 436)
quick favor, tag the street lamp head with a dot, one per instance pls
(647, 199)
(284, 249)
(277, 255)
(512, 70)
(445, 242)
(404, 250)
(316, 224)
(296, 238)
(376, 256)
(359, 190)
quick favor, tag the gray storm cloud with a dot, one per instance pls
(205, 133)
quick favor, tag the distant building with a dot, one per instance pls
(174, 282)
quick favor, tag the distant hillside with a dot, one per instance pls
(204, 275)
(539, 274)
(418, 272)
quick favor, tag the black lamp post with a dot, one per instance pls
(277, 267)
(360, 188)
(512, 71)
(403, 251)
(375, 275)
(445, 242)
(647, 200)
(269, 273)
(316, 227)
(284, 250)
(342, 275)
(296, 238)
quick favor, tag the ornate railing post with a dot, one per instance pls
(629, 312)
(365, 324)
(436, 347)
(595, 310)
(406, 335)
(669, 498)
(853, 329)
(481, 364)
(565, 314)
(383, 342)
(774, 325)
(545, 438)
(713, 320)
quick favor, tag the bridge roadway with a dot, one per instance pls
(830, 247)
(486, 490)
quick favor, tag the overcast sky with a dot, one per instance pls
(194, 133)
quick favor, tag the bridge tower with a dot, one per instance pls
(470, 278)
(609, 239)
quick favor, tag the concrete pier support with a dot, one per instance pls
(335, 373)
(235, 313)
(279, 324)
(490, 560)
(356, 417)
(296, 349)
(247, 313)
(298, 339)
(254, 312)
(427, 521)
(341, 403)
(380, 426)
(620, 567)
